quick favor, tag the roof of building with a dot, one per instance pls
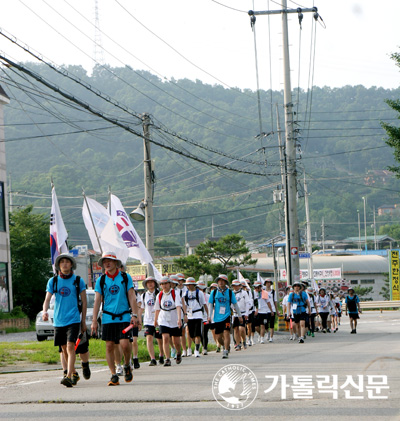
(349, 263)
(4, 95)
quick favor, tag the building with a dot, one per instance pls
(6, 296)
(357, 270)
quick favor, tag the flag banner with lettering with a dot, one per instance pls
(102, 231)
(137, 250)
(58, 233)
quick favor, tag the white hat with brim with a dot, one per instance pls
(109, 255)
(165, 280)
(223, 277)
(148, 279)
(236, 283)
(64, 256)
(201, 284)
(268, 280)
(190, 281)
(174, 279)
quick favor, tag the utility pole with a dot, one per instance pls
(291, 192)
(376, 243)
(148, 190)
(323, 235)
(309, 246)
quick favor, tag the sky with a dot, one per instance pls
(213, 41)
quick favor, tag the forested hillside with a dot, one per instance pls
(341, 151)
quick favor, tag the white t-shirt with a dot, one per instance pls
(206, 298)
(323, 303)
(168, 313)
(148, 305)
(243, 301)
(263, 304)
(194, 308)
(272, 299)
(312, 303)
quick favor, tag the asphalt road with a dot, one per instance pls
(186, 391)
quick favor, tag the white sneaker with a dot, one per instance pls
(196, 353)
(261, 340)
(253, 341)
(205, 352)
(189, 352)
(271, 339)
(119, 371)
(225, 354)
(268, 336)
(184, 354)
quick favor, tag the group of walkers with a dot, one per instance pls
(177, 312)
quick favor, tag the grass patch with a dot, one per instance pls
(12, 353)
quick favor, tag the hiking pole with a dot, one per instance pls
(78, 341)
(128, 328)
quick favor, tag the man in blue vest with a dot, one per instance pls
(67, 288)
(115, 288)
(219, 306)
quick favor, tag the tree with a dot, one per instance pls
(30, 263)
(191, 266)
(164, 247)
(362, 292)
(230, 250)
(385, 291)
(392, 131)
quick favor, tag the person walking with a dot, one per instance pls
(297, 302)
(69, 321)
(115, 289)
(353, 309)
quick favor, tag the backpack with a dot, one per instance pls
(124, 281)
(173, 297)
(301, 298)
(352, 304)
(186, 297)
(76, 283)
(156, 291)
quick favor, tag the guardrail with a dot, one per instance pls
(377, 304)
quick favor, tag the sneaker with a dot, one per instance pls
(178, 358)
(268, 335)
(237, 348)
(329, 331)
(249, 343)
(136, 364)
(184, 353)
(153, 362)
(173, 353)
(244, 345)
(301, 341)
(261, 340)
(189, 352)
(196, 354)
(161, 359)
(205, 352)
(271, 339)
(324, 331)
(225, 354)
(167, 363)
(86, 372)
(312, 334)
(218, 349)
(353, 331)
(119, 371)
(128, 373)
(114, 381)
(66, 381)
(253, 341)
(75, 378)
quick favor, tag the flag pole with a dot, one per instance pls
(94, 226)
(109, 199)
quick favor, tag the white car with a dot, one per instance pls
(46, 329)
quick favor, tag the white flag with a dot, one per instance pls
(103, 226)
(259, 278)
(137, 249)
(58, 233)
(157, 274)
(314, 285)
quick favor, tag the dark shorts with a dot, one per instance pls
(250, 318)
(256, 321)
(263, 318)
(271, 321)
(236, 322)
(135, 333)
(113, 332)
(222, 326)
(65, 334)
(172, 331)
(151, 331)
(299, 317)
(83, 346)
(354, 316)
(194, 326)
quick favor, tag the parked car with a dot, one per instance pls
(46, 329)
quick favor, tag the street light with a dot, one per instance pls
(365, 224)
(138, 213)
